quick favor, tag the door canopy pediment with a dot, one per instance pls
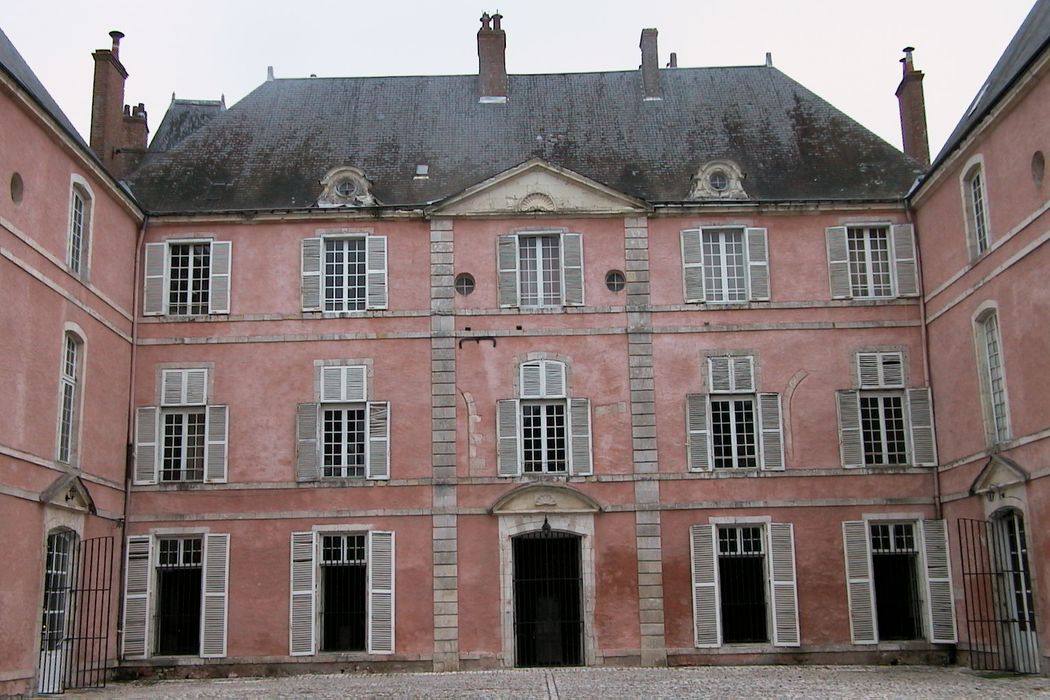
(544, 498)
(998, 474)
(537, 187)
(70, 492)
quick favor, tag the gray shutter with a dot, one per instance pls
(772, 428)
(572, 269)
(356, 383)
(219, 286)
(859, 588)
(153, 279)
(375, 275)
(507, 257)
(693, 265)
(306, 464)
(920, 417)
(580, 437)
(553, 379)
(380, 592)
(851, 444)
(301, 605)
(196, 387)
(906, 269)
(146, 445)
(136, 597)
(838, 262)
(868, 370)
(940, 605)
(743, 373)
(531, 380)
(379, 440)
(758, 264)
(508, 454)
(173, 384)
(311, 255)
(332, 384)
(892, 367)
(782, 586)
(719, 374)
(697, 447)
(216, 583)
(216, 427)
(707, 623)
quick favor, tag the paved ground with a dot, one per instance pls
(919, 682)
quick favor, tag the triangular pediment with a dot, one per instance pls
(544, 498)
(999, 473)
(69, 491)
(539, 188)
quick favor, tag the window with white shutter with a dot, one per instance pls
(872, 262)
(343, 435)
(187, 278)
(898, 577)
(185, 438)
(733, 427)
(344, 273)
(725, 265)
(214, 603)
(540, 269)
(744, 588)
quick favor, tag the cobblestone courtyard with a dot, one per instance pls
(721, 682)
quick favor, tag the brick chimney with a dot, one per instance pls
(492, 60)
(913, 111)
(650, 66)
(118, 131)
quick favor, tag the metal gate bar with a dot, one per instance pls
(548, 603)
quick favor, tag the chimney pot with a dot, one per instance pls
(496, 18)
(116, 36)
(269, 73)
(769, 59)
(673, 63)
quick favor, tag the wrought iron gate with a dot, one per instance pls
(74, 636)
(548, 600)
(997, 586)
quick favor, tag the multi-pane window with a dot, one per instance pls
(344, 274)
(539, 259)
(896, 577)
(869, 262)
(57, 584)
(189, 276)
(344, 441)
(343, 593)
(725, 265)
(182, 458)
(733, 438)
(995, 383)
(178, 606)
(79, 211)
(742, 582)
(975, 204)
(883, 428)
(543, 436)
(69, 398)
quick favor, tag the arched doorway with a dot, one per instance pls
(548, 598)
(55, 627)
(1021, 648)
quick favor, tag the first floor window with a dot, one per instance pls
(543, 434)
(187, 278)
(178, 605)
(872, 261)
(189, 273)
(71, 373)
(344, 441)
(344, 274)
(886, 428)
(183, 454)
(869, 262)
(539, 259)
(895, 577)
(742, 581)
(993, 380)
(733, 438)
(343, 592)
(883, 430)
(725, 263)
(79, 213)
(540, 269)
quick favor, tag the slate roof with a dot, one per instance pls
(1028, 43)
(182, 119)
(270, 150)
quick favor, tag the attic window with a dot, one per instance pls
(718, 179)
(346, 186)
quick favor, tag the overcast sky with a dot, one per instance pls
(846, 51)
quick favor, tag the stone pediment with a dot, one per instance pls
(999, 473)
(69, 491)
(537, 187)
(544, 498)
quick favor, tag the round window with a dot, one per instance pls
(346, 188)
(16, 188)
(464, 283)
(719, 181)
(1038, 168)
(615, 281)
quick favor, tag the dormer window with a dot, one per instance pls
(346, 186)
(719, 179)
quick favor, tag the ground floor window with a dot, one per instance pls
(344, 593)
(178, 604)
(742, 580)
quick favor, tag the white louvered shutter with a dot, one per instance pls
(719, 374)
(572, 269)
(146, 445)
(772, 428)
(219, 286)
(891, 364)
(838, 262)
(379, 440)
(758, 264)
(306, 461)
(311, 255)
(344, 383)
(940, 605)
(184, 387)
(580, 437)
(851, 443)
(880, 370)
(920, 418)
(380, 592)
(216, 583)
(697, 444)
(859, 587)
(906, 267)
(531, 380)
(553, 379)
(375, 272)
(782, 587)
(507, 259)
(153, 279)
(743, 373)
(508, 451)
(693, 265)
(707, 614)
(216, 426)
(136, 597)
(301, 604)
